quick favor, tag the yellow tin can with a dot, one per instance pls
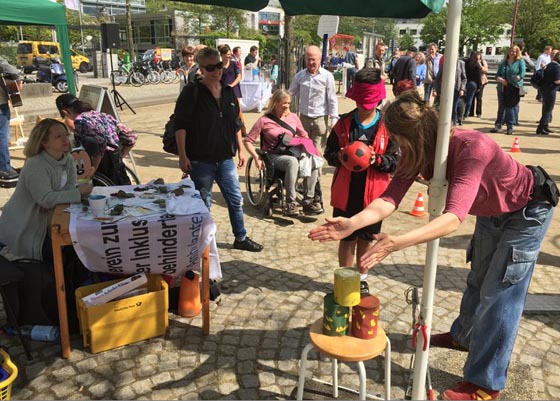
(347, 286)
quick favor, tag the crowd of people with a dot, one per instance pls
(513, 204)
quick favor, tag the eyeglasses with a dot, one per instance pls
(213, 67)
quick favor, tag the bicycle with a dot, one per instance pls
(127, 73)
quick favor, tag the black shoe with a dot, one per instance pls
(543, 132)
(247, 245)
(547, 131)
(9, 175)
(495, 130)
(364, 289)
(509, 132)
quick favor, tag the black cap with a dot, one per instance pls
(65, 101)
(413, 49)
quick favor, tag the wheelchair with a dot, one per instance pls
(265, 188)
(83, 164)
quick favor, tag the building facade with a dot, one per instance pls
(112, 7)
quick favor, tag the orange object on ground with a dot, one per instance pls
(189, 295)
(515, 147)
(418, 209)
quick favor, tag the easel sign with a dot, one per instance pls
(100, 99)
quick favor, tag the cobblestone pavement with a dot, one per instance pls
(259, 327)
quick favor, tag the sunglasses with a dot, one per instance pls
(213, 67)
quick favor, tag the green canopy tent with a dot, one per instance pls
(438, 184)
(41, 12)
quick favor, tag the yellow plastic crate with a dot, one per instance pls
(125, 321)
(6, 385)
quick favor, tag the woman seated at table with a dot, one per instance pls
(47, 179)
(270, 127)
(106, 140)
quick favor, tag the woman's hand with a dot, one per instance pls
(334, 229)
(85, 188)
(241, 159)
(259, 163)
(385, 245)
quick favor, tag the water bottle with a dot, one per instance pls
(41, 333)
(255, 73)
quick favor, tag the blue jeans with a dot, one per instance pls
(503, 253)
(472, 87)
(224, 173)
(428, 92)
(455, 112)
(5, 137)
(548, 96)
(505, 115)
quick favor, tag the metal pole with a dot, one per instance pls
(438, 192)
(81, 11)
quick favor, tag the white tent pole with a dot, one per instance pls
(438, 192)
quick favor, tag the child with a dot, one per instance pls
(352, 191)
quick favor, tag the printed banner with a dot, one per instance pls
(160, 243)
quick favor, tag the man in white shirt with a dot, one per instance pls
(317, 98)
(541, 62)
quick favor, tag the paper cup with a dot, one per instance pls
(97, 204)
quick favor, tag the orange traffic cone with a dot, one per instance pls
(418, 209)
(189, 295)
(515, 147)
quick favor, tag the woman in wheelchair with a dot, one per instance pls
(274, 128)
(105, 139)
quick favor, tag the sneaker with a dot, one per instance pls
(312, 208)
(9, 175)
(509, 131)
(364, 289)
(247, 245)
(495, 130)
(292, 209)
(468, 391)
(445, 340)
(547, 131)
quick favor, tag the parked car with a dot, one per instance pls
(28, 50)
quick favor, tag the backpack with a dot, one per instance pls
(537, 79)
(169, 141)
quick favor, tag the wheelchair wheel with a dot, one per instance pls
(133, 177)
(255, 184)
(101, 180)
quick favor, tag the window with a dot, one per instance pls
(488, 51)
(414, 31)
(24, 48)
(402, 32)
(498, 50)
(269, 23)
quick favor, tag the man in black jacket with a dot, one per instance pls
(405, 68)
(207, 129)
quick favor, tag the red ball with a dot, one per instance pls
(356, 156)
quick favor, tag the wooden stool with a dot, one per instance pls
(348, 349)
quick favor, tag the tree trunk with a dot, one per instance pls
(129, 37)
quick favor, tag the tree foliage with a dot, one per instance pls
(481, 22)
(537, 24)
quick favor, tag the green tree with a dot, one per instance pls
(537, 24)
(227, 19)
(481, 22)
(406, 41)
(386, 27)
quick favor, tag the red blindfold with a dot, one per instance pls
(367, 95)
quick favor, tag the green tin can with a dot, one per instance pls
(335, 317)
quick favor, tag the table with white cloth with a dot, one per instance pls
(255, 95)
(144, 238)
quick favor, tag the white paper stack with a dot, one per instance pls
(108, 294)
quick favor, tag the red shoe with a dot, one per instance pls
(467, 391)
(444, 340)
